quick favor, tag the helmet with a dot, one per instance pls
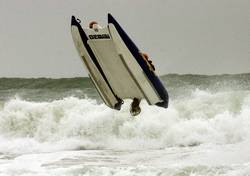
(91, 24)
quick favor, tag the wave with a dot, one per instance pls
(45, 83)
(178, 86)
(171, 80)
(72, 123)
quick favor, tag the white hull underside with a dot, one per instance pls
(125, 77)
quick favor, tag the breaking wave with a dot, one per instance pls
(73, 123)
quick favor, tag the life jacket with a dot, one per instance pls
(149, 62)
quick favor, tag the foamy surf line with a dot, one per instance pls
(205, 160)
(75, 124)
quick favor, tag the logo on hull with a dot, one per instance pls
(99, 36)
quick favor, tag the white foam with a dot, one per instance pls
(72, 123)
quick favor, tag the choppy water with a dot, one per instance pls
(61, 127)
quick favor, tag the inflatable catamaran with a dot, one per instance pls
(115, 65)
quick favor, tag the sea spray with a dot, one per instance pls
(62, 127)
(189, 122)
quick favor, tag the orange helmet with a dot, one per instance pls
(91, 24)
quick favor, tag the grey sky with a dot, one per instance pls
(181, 36)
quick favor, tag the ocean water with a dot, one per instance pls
(61, 127)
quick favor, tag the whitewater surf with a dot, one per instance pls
(61, 127)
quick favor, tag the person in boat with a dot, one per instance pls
(94, 25)
(148, 61)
